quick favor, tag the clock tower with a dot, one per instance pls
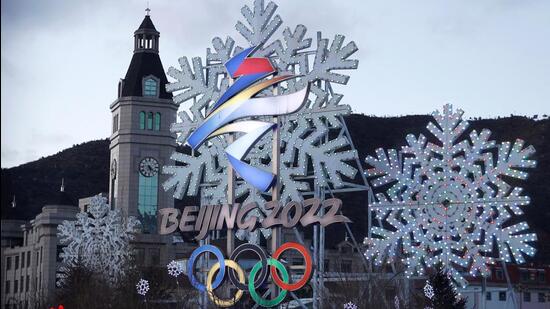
(141, 141)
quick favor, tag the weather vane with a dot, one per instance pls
(147, 9)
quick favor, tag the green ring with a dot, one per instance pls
(255, 296)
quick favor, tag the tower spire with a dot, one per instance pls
(147, 10)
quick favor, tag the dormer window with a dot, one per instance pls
(150, 87)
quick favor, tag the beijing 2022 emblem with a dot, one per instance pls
(241, 100)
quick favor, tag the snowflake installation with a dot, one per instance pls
(142, 287)
(306, 148)
(429, 290)
(99, 239)
(448, 202)
(175, 268)
(350, 305)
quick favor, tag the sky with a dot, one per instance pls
(61, 60)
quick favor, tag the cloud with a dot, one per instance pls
(61, 60)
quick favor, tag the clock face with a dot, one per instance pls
(113, 169)
(148, 167)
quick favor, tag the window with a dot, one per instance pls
(542, 298)
(150, 87)
(499, 275)
(7, 289)
(115, 123)
(22, 284)
(29, 259)
(27, 284)
(150, 121)
(155, 256)
(524, 274)
(8, 263)
(157, 122)
(15, 286)
(147, 202)
(345, 266)
(142, 120)
(17, 262)
(488, 296)
(542, 278)
(140, 256)
(37, 258)
(502, 296)
(526, 296)
(326, 266)
(23, 260)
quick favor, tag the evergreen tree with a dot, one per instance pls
(444, 295)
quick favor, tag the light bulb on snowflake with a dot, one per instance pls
(444, 195)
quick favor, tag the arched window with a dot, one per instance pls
(142, 120)
(150, 121)
(157, 122)
(148, 202)
(149, 87)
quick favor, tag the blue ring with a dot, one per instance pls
(191, 265)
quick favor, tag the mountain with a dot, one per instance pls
(85, 169)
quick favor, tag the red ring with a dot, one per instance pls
(307, 273)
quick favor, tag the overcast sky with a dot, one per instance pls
(61, 60)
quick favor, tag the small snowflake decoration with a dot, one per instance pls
(448, 201)
(429, 290)
(99, 239)
(308, 151)
(142, 287)
(350, 305)
(175, 268)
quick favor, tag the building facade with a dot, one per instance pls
(30, 256)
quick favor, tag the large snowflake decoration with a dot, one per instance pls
(99, 239)
(448, 202)
(309, 154)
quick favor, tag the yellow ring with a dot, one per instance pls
(215, 299)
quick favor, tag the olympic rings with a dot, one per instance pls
(215, 299)
(308, 266)
(257, 277)
(263, 271)
(257, 298)
(191, 265)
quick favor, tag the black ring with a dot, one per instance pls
(264, 272)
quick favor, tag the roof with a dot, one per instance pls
(147, 24)
(144, 64)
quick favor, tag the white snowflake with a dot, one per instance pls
(142, 287)
(175, 268)
(350, 305)
(310, 155)
(429, 290)
(448, 201)
(99, 238)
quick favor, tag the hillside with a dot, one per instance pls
(85, 168)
